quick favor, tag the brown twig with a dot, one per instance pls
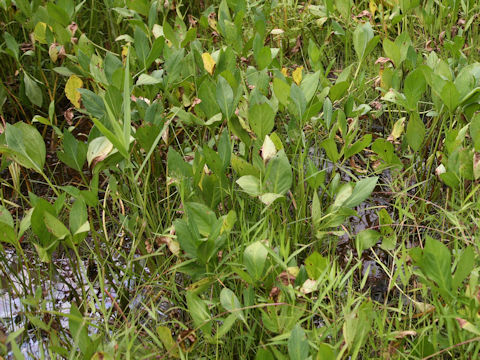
(117, 307)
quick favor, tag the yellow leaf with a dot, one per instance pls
(285, 72)
(297, 75)
(208, 63)
(373, 7)
(71, 90)
(124, 53)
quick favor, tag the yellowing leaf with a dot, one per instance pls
(297, 75)
(373, 7)
(213, 23)
(285, 72)
(53, 52)
(40, 31)
(71, 90)
(398, 129)
(208, 63)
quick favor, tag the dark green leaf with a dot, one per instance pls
(224, 97)
(74, 152)
(32, 90)
(261, 118)
(415, 132)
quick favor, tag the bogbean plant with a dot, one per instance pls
(227, 149)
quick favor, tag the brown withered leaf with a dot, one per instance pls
(356, 167)
(73, 27)
(441, 37)
(68, 115)
(428, 45)
(405, 333)
(286, 278)
(274, 293)
(24, 47)
(298, 45)
(364, 13)
(377, 105)
(192, 21)
(383, 60)
(187, 339)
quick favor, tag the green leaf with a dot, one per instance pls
(243, 167)
(298, 104)
(92, 103)
(165, 336)
(79, 331)
(465, 265)
(365, 240)
(254, 258)
(264, 354)
(325, 352)
(155, 51)
(263, 57)
(331, 150)
(55, 226)
(278, 176)
(338, 90)
(250, 184)
(392, 51)
(7, 234)
(415, 132)
(450, 96)
(145, 79)
(197, 308)
(187, 239)
(269, 198)
(202, 215)
(314, 177)
(298, 347)
(281, 90)
(206, 93)
(309, 85)
(327, 112)
(78, 220)
(230, 302)
(361, 192)
(359, 146)
(177, 167)
(6, 217)
(475, 131)
(58, 14)
(414, 87)
(224, 96)
(315, 265)
(25, 144)
(32, 90)
(361, 37)
(226, 326)
(261, 118)
(224, 149)
(74, 152)
(142, 45)
(435, 264)
(12, 45)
